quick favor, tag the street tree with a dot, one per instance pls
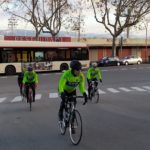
(75, 17)
(40, 13)
(53, 13)
(117, 15)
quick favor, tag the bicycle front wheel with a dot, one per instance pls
(75, 127)
(96, 97)
(30, 98)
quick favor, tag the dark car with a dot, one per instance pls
(109, 61)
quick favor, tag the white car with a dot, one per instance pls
(131, 60)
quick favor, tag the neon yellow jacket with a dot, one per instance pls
(94, 73)
(69, 82)
(30, 77)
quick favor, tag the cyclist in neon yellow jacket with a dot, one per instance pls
(69, 81)
(30, 79)
(93, 74)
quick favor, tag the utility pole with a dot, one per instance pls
(12, 24)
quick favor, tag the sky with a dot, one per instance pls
(91, 26)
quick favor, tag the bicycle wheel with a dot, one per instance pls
(95, 98)
(62, 124)
(75, 127)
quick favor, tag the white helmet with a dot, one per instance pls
(94, 64)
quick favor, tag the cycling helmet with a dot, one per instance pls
(75, 65)
(94, 64)
(30, 68)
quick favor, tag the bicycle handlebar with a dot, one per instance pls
(74, 96)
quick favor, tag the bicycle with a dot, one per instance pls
(94, 94)
(72, 120)
(30, 96)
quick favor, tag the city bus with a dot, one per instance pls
(43, 56)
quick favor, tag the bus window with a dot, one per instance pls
(84, 54)
(39, 56)
(76, 54)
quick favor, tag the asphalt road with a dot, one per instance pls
(120, 121)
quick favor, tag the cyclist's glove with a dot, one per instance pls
(85, 98)
(100, 80)
(63, 96)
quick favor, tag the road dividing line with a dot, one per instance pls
(138, 89)
(101, 92)
(146, 87)
(2, 99)
(113, 90)
(125, 89)
(17, 99)
(38, 96)
(53, 95)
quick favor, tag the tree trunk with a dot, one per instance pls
(114, 47)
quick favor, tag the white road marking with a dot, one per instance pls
(113, 90)
(101, 92)
(138, 89)
(53, 95)
(17, 99)
(125, 89)
(146, 87)
(2, 99)
(38, 96)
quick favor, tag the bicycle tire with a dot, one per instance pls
(30, 98)
(95, 97)
(62, 125)
(77, 123)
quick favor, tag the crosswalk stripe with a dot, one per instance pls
(113, 90)
(138, 89)
(146, 87)
(53, 95)
(125, 89)
(101, 92)
(38, 96)
(2, 99)
(17, 99)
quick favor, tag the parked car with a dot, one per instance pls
(131, 60)
(109, 61)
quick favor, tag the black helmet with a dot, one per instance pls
(30, 68)
(75, 65)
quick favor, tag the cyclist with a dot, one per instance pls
(92, 74)
(20, 79)
(68, 83)
(30, 79)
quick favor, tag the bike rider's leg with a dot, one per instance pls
(89, 88)
(33, 89)
(62, 106)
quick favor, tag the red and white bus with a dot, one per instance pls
(44, 56)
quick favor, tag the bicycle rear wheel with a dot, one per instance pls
(62, 124)
(75, 127)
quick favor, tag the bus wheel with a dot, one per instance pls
(64, 67)
(10, 70)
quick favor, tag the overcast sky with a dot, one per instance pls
(91, 26)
